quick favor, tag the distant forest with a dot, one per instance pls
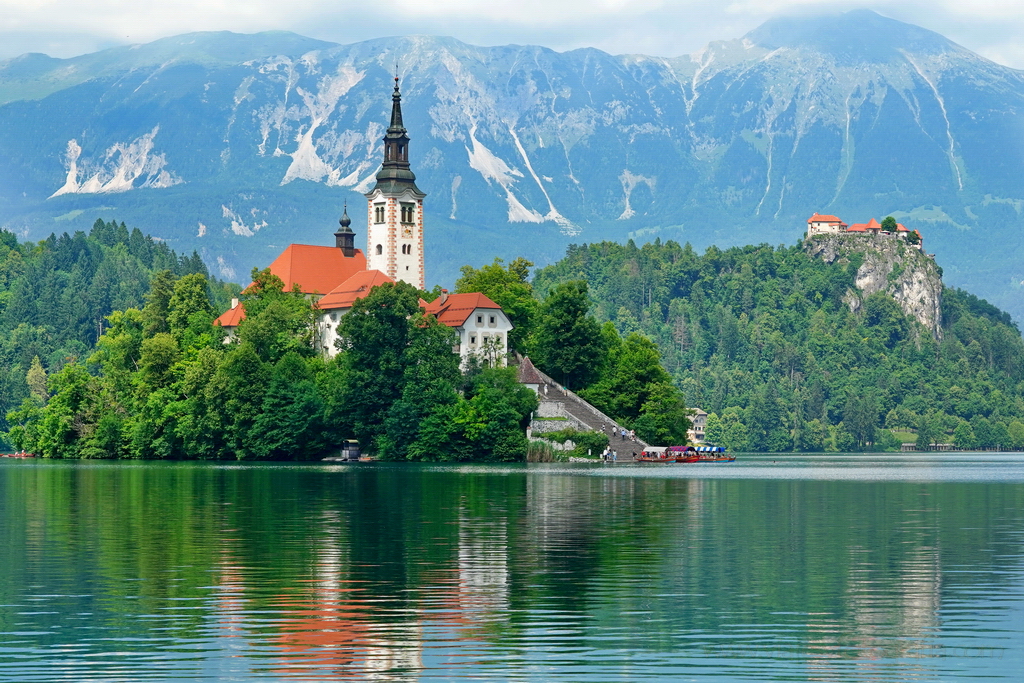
(55, 295)
(760, 337)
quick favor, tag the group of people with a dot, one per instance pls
(622, 432)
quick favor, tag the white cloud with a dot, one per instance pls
(658, 27)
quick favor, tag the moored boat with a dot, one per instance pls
(713, 454)
(667, 454)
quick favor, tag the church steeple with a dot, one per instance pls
(395, 174)
(394, 234)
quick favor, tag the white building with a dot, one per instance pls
(819, 224)
(482, 326)
(480, 323)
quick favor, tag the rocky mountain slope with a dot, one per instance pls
(237, 145)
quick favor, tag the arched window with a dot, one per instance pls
(380, 249)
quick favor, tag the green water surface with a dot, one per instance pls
(826, 568)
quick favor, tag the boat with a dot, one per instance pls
(667, 454)
(713, 454)
(22, 454)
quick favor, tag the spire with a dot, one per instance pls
(395, 175)
(396, 111)
(344, 239)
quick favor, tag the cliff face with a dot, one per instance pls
(889, 266)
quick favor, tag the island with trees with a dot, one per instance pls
(107, 351)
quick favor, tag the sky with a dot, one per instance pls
(667, 28)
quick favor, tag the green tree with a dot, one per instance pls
(736, 436)
(925, 432)
(714, 430)
(374, 336)
(237, 391)
(963, 436)
(189, 313)
(664, 418)
(633, 375)
(288, 426)
(569, 344)
(159, 354)
(276, 322)
(430, 378)
(889, 224)
(36, 379)
(158, 300)
(1015, 432)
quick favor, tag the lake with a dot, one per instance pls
(786, 568)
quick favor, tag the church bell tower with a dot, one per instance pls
(394, 236)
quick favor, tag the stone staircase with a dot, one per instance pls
(560, 409)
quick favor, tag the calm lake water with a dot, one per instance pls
(784, 568)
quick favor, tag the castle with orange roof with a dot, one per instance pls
(824, 224)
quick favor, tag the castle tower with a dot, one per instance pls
(394, 236)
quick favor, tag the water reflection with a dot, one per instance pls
(171, 571)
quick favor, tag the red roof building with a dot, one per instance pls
(454, 310)
(352, 289)
(231, 317)
(316, 270)
(819, 224)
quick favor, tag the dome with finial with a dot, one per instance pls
(345, 220)
(344, 239)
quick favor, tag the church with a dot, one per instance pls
(336, 277)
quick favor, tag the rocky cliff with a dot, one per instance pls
(889, 265)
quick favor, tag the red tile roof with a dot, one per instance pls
(820, 218)
(900, 228)
(858, 227)
(231, 317)
(456, 310)
(874, 225)
(317, 270)
(356, 287)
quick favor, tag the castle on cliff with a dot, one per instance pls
(820, 224)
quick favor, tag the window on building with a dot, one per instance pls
(401, 151)
(472, 339)
(378, 213)
(479, 320)
(408, 213)
(380, 249)
(493, 320)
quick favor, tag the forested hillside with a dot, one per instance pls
(762, 338)
(55, 294)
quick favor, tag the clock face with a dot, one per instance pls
(406, 231)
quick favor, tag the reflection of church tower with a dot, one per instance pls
(394, 237)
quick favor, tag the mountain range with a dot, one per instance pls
(236, 145)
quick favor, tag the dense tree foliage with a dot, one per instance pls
(162, 383)
(55, 296)
(763, 339)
